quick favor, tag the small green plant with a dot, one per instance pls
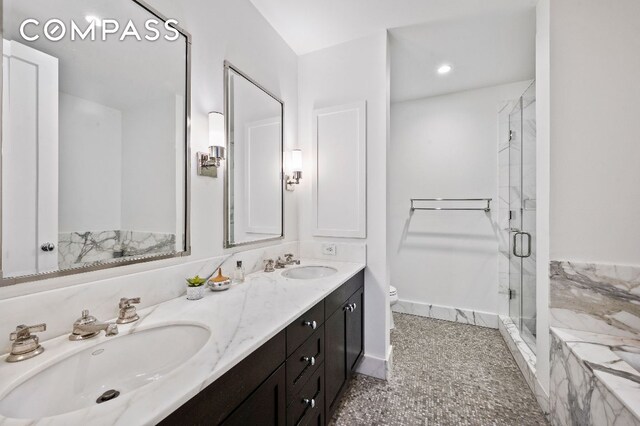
(196, 281)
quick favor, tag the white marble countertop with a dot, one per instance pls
(240, 320)
(596, 351)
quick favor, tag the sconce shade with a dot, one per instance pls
(296, 160)
(216, 129)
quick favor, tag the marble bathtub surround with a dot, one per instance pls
(240, 320)
(590, 383)
(60, 307)
(598, 298)
(77, 249)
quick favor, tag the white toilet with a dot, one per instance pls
(393, 299)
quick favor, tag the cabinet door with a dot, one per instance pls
(354, 340)
(266, 406)
(335, 366)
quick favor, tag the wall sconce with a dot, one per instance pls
(294, 166)
(209, 162)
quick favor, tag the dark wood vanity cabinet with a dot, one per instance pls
(296, 378)
(344, 345)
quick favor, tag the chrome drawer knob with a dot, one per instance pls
(310, 359)
(310, 402)
(311, 324)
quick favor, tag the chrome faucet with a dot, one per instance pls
(88, 326)
(127, 312)
(25, 345)
(280, 264)
(269, 265)
(289, 260)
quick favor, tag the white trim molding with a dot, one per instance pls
(339, 149)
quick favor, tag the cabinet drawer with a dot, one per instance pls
(302, 328)
(307, 406)
(338, 298)
(305, 361)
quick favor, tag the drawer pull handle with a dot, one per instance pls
(350, 307)
(311, 324)
(309, 402)
(310, 359)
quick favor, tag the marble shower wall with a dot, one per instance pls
(598, 298)
(76, 249)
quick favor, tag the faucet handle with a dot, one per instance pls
(127, 312)
(269, 265)
(126, 303)
(288, 257)
(24, 331)
(86, 318)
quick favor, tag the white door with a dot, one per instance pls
(29, 160)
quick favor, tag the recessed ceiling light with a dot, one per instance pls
(92, 18)
(444, 69)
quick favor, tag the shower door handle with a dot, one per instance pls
(515, 241)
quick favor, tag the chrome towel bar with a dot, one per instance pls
(486, 208)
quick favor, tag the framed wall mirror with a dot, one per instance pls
(254, 176)
(95, 137)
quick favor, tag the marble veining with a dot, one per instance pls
(590, 383)
(525, 359)
(463, 316)
(101, 290)
(78, 249)
(592, 297)
(240, 320)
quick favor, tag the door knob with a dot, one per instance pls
(47, 247)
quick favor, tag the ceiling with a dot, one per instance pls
(308, 25)
(484, 50)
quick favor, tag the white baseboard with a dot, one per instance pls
(376, 367)
(447, 313)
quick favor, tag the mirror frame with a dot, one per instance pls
(4, 282)
(228, 116)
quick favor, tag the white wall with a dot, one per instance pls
(446, 147)
(595, 201)
(90, 157)
(149, 167)
(351, 72)
(220, 30)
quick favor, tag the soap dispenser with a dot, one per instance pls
(238, 274)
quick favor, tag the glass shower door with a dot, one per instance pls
(515, 216)
(522, 207)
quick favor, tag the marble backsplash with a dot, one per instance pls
(60, 307)
(597, 298)
(77, 249)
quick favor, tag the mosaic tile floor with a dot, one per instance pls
(444, 374)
